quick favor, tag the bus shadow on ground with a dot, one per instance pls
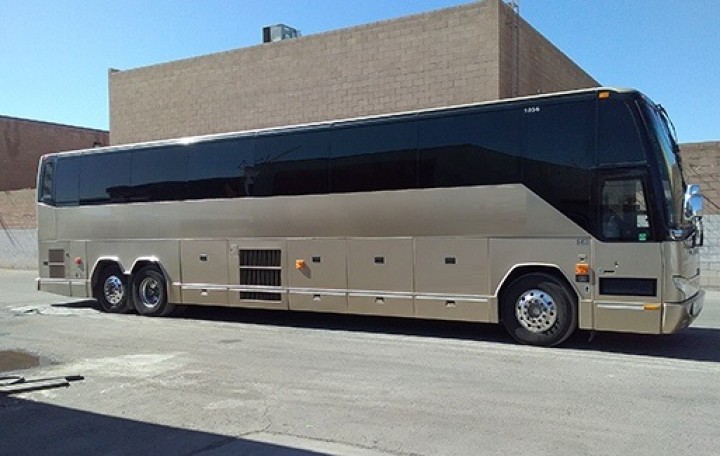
(31, 427)
(698, 344)
(694, 343)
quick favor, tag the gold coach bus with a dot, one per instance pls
(546, 213)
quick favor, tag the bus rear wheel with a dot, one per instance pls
(111, 290)
(537, 309)
(149, 292)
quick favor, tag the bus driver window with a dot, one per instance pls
(624, 212)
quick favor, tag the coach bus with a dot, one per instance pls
(546, 213)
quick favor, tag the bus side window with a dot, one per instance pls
(46, 186)
(624, 212)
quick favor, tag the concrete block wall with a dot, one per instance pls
(540, 67)
(17, 209)
(446, 57)
(701, 161)
(23, 142)
(18, 233)
(425, 60)
(710, 253)
(18, 248)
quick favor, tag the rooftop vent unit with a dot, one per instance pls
(279, 32)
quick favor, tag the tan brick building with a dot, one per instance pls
(23, 142)
(702, 166)
(457, 55)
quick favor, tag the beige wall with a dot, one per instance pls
(445, 57)
(702, 166)
(23, 142)
(541, 66)
(17, 209)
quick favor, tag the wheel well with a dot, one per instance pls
(142, 263)
(139, 264)
(524, 270)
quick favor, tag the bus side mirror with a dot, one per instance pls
(693, 202)
(693, 206)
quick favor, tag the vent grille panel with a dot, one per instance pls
(261, 268)
(56, 255)
(260, 296)
(260, 258)
(57, 271)
(56, 261)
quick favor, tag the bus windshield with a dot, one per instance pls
(668, 156)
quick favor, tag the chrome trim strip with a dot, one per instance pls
(334, 292)
(450, 297)
(195, 286)
(68, 281)
(257, 288)
(616, 306)
(379, 294)
(318, 291)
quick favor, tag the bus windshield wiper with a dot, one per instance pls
(664, 114)
(671, 129)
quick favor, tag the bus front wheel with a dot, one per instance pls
(149, 292)
(538, 309)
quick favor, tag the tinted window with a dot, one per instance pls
(618, 136)
(45, 187)
(67, 174)
(292, 163)
(104, 178)
(220, 169)
(560, 133)
(623, 211)
(559, 154)
(369, 157)
(158, 174)
(479, 148)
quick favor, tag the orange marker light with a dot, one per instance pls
(604, 95)
(299, 264)
(651, 307)
(582, 272)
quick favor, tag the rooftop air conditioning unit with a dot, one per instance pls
(279, 32)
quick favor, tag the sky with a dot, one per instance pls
(55, 55)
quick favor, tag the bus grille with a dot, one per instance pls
(260, 268)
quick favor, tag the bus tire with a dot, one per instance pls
(538, 309)
(112, 290)
(149, 292)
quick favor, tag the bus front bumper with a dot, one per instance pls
(679, 315)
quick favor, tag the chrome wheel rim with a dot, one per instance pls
(151, 293)
(536, 310)
(113, 290)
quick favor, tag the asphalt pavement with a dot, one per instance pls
(232, 381)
